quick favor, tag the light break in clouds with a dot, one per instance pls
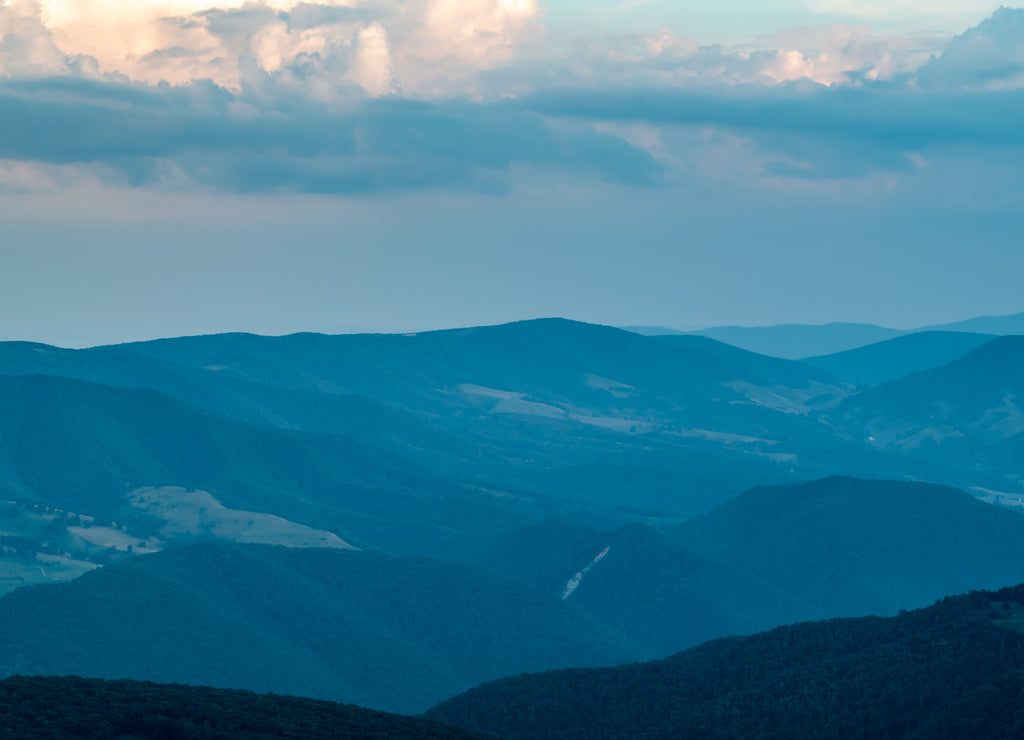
(388, 102)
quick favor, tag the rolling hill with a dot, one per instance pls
(799, 341)
(391, 633)
(548, 368)
(372, 422)
(951, 412)
(851, 547)
(785, 373)
(84, 446)
(896, 358)
(796, 341)
(1002, 325)
(550, 406)
(633, 580)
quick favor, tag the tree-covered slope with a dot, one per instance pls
(390, 633)
(951, 671)
(951, 412)
(632, 579)
(1002, 325)
(83, 446)
(896, 358)
(795, 341)
(746, 363)
(370, 421)
(62, 707)
(850, 546)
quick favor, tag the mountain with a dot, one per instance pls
(954, 412)
(538, 418)
(950, 671)
(795, 341)
(850, 547)
(633, 580)
(546, 368)
(375, 423)
(798, 341)
(668, 483)
(84, 446)
(395, 439)
(551, 405)
(386, 632)
(786, 373)
(1002, 325)
(92, 709)
(480, 401)
(651, 331)
(896, 358)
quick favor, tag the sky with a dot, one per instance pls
(173, 167)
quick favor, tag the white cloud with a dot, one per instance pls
(831, 53)
(827, 55)
(448, 42)
(371, 68)
(26, 48)
(989, 56)
(415, 47)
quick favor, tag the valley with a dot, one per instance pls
(394, 520)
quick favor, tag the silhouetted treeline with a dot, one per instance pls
(91, 709)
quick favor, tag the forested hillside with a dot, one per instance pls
(392, 633)
(853, 547)
(951, 671)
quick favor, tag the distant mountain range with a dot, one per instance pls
(540, 411)
(468, 504)
(799, 341)
(392, 442)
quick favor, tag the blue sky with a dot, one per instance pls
(176, 167)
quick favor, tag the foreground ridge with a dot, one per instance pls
(41, 708)
(952, 670)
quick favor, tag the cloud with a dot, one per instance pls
(831, 132)
(989, 56)
(835, 54)
(203, 135)
(26, 46)
(390, 96)
(417, 47)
